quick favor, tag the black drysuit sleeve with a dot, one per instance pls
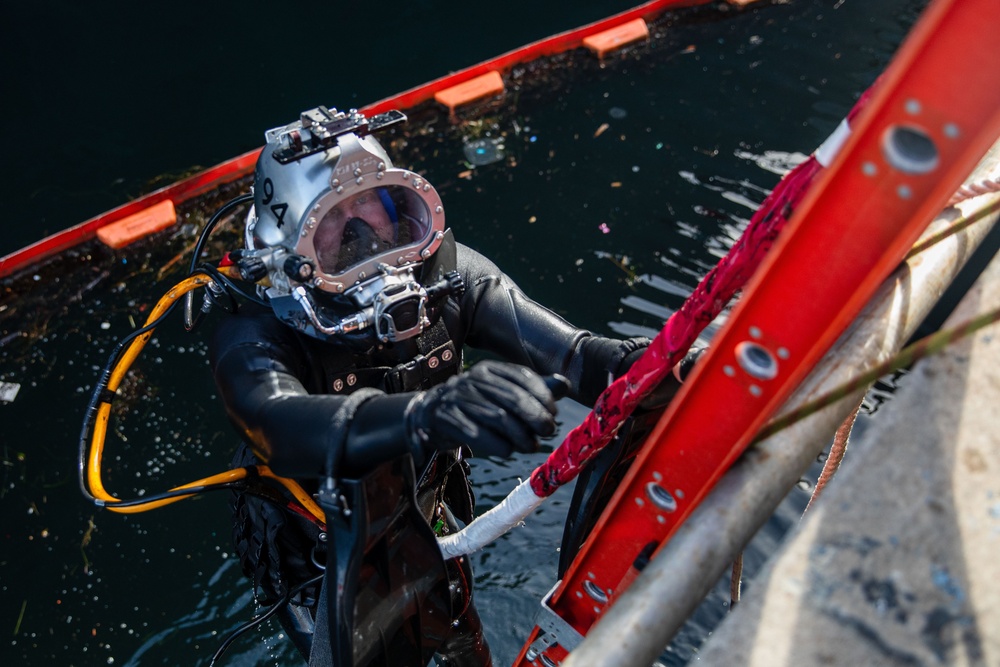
(271, 386)
(270, 392)
(496, 315)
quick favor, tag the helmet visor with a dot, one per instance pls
(368, 223)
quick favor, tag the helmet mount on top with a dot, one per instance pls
(339, 231)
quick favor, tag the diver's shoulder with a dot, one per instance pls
(472, 262)
(250, 325)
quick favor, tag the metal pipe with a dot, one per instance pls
(638, 627)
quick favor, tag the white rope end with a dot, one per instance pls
(490, 526)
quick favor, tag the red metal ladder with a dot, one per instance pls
(935, 114)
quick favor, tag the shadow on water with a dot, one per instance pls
(619, 185)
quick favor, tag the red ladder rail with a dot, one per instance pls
(935, 114)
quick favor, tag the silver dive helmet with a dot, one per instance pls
(339, 232)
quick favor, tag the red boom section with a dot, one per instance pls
(935, 114)
(200, 183)
(547, 47)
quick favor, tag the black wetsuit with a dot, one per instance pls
(281, 388)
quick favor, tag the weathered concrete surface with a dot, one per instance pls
(899, 562)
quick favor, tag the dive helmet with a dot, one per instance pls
(338, 231)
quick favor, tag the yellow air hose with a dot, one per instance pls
(100, 426)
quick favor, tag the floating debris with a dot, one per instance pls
(11, 337)
(604, 228)
(8, 391)
(482, 152)
(621, 261)
(601, 130)
(88, 534)
(20, 617)
(617, 113)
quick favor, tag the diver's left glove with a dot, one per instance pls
(660, 396)
(495, 408)
(600, 361)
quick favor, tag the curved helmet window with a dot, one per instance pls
(368, 223)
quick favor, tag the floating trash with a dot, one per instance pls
(604, 228)
(617, 113)
(8, 391)
(482, 152)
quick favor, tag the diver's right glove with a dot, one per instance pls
(495, 408)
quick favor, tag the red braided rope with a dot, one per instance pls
(681, 330)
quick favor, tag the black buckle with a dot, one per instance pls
(405, 376)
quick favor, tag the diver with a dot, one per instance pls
(351, 382)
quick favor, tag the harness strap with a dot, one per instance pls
(344, 555)
(437, 360)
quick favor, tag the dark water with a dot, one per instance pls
(610, 227)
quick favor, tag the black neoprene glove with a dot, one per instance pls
(495, 408)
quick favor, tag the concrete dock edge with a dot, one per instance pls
(897, 564)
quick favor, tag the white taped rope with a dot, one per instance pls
(490, 526)
(829, 148)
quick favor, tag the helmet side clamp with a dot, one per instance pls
(317, 130)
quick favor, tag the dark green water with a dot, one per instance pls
(610, 230)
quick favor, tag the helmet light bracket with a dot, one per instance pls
(317, 130)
